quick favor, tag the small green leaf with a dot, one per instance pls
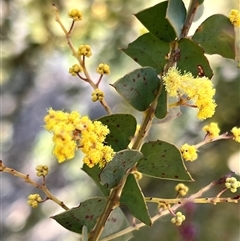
(216, 36)
(139, 87)
(147, 50)
(133, 198)
(154, 19)
(116, 169)
(162, 105)
(192, 56)
(94, 173)
(86, 214)
(122, 128)
(176, 14)
(163, 160)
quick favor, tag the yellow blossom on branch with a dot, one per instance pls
(103, 69)
(236, 134)
(212, 130)
(75, 14)
(234, 17)
(182, 189)
(199, 90)
(178, 219)
(189, 153)
(72, 132)
(42, 170)
(232, 183)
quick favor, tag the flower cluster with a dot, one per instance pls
(71, 131)
(182, 189)
(97, 94)
(34, 199)
(178, 219)
(75, 14)
(189, 153)
(234, 17)
(85, 50)
(103, 69)
(75, 69)
(236, 134)
(200, 90)
(212, 130)
(232, 183)
(42, 170)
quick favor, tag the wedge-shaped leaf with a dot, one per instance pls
(176, 14)
(216, 36)
(133, 198)
(163, 160)
(192, 57)
(139, 87)
(94, 173)
(122, 128)
(87, 214)
(148, 50)
(162, 105)
(116, 169)
(154, 19)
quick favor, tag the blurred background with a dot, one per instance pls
(34, 77)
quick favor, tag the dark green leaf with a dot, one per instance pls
(116, 169)
(162, 105)
(148, 50)
(216, 36)
(192, 56)
(176, 14)
(122, 128)
(163, 160)
(133, 198)
(154, 19)
(86, 214)
(94, 173)
(139, 87)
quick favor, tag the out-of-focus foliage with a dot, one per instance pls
(35, 64)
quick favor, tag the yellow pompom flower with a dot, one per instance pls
(182, 189)
(189, 153)
(75, 69)
(234, 17)
(42, 170)
(85, 50)
(75, 14)
(212, 130)
(34, 199)
(97, 94)
(103, 69)
(236, 134)
(72, 132)
(199, 90)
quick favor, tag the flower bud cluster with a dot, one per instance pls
(75, 14)
(103, 69)
(75, 69)
(84, 50)
(178, 219)
(34, 199)
(97, 94)
(182, 189)
(232, 183)
(42, 170)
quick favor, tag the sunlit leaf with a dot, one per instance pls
(163, 160)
